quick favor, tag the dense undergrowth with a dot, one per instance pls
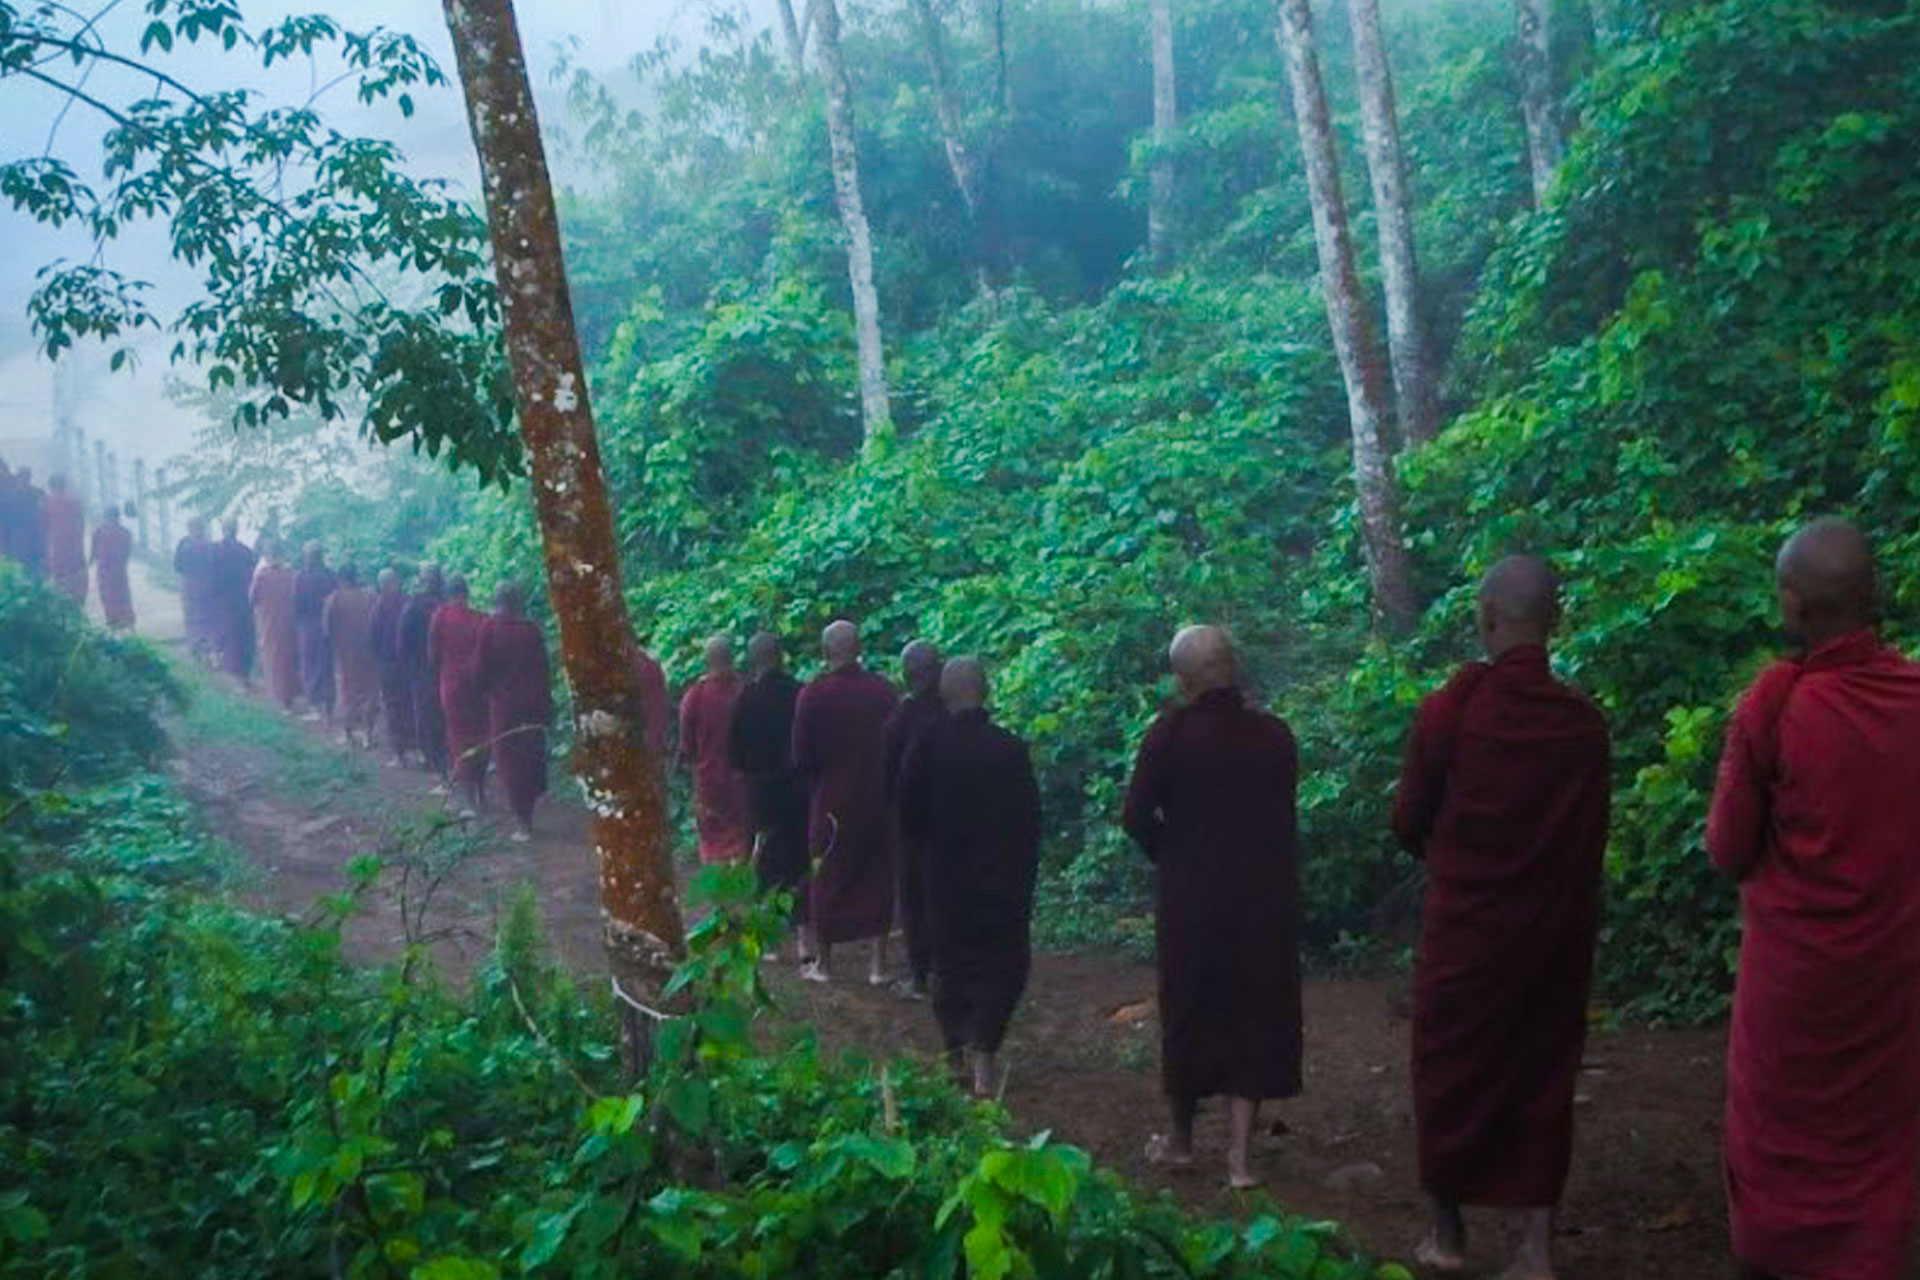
(190, 1089)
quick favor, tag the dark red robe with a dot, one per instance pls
(112, 550)
(311, 590)
(272, 599)
(512, 673)
(1211, 802)
(396, 696)
(232, 605)
(423, 679)
(839, 731)
(1817, 813)
(65, 521)
(453, 646)
(760, 745)
(969, 803)
(193, 562)
(656, 711)
(917, 713)
(719, 792)
(1504, 793)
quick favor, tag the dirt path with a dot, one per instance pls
(1644, 1204)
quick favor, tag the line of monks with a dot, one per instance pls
(45, 532)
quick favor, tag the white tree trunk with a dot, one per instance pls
(876, 416)
(1416, 396)
(961, 161)
(1538, 105)
(1166, 121)
(795, 35)
(1353, 339)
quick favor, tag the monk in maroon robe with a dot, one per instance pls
(271, 597)
(396, 698)
(719, 792)
(1504, 794)
(1211, 802)
(311, 588)
(512, 675)
(193, 563)
(22, 512)
(920, 710)
(839, 733)
(232, 583)
(112, 550)
(65, 523)
(1817, 815)
(656, 706)
(453, 646)
(423, 679)
(969, 802)
(347, 619)
(760, 746)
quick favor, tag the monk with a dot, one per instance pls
(23, 512)
(453, 647)
(760, 746)
(347, 618)
(839, 732)
(656, 707)
(969, 803)
(311, 587)
(112, 550)
(232, 582)
(1211, 802)
(719, 792)
(396, 698)
(272, 599)
(423, 678)
(1504, 794)
(193, 562)
(1816, 815)
(65, 523)
(919, 711)
(512, 675)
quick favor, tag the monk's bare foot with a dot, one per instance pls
(1164, 1152)
(812, 971)
(1434, 1256)
(1243, 1181)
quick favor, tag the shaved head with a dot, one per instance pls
(457, 586)
(510, 598)
(388, 580)
(1519, 603)
(719, 654)
(763, 653)
(963, 684)
(1825, 575)
(841, 641)
(920, 663)
(1203, 659)
(430, 579)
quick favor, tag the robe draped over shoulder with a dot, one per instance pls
(656, 711)
(513, 675)
(839, 727)
(112, 550)
(348, 620)
(760, 746)
(65, 521)
(453, 645)
(1505, 792)
(232, 605)
(193, 562)
(396, 696)
(916, 714)
(423, 678)
(272, 598)
(1817, 813)
(311, 587)
(719, 792)
(1212, 802)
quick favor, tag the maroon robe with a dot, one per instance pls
(453, 646)
(311, 588)
(719, 792)
(232, 605)
(656, 712)
(193, 561)
(1817, 813)
(1211, 802)
(513, 676)
(65, 522)
(760, 746)
(112, 550)
(1504, 793)
(917, 713)
(839, 729)
(272, 600)
(423, 681)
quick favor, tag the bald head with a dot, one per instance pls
(510, 599)
(1825, 577)
(719, 655)
(763, 653)
(388, 582)
(841, 643)
(457, 586)
(431, 580)
(1519, 604)
(920, 664)
(963, 684)
(1203, 659)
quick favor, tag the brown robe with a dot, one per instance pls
(65, 522)
(453, 645)
(348, 619)
(1212, 804)
(513, 676)
(112, 550)
(272, 597)
(839, 727)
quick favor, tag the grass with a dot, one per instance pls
(301, 764)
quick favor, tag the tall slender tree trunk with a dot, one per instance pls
(795, 34)
(1166, 121)
(875, 413)
(1416, 397)
(622, 784)
(1353, 339)
(960, 158)
(1538, 103)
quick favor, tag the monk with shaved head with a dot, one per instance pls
(1817, 816)
(1504, 794)
(719, 791)
(1211, 802)
(760, 746)
(919, 711)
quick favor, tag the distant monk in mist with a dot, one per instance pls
(1211, 802)
(423, 678)
(348, 620)
(1504, 795)
(760, 746)
(839, 745)
(969, 802)
(656, 705)
(112, 552)
(25, 516)
(453, 647)
(1817, 816)
(65, 523)
(719, 792)
(514, 678)
(919, 711)
(311, 587)
(396, 697)
(234, 634)
(272, 598)
(193, 563)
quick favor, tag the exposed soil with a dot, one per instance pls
(1645, 1201)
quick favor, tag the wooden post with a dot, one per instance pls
(101, 474)
(162, 513)
(140, 500)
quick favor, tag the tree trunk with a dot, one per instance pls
(622, 784)
(960, 158)
(1545, 145)
(1166, 119)
(1353, 339)
(876, 416)
(795, 35)
(1416, 399)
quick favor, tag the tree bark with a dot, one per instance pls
(795, 34)
(1353, 339)
(1416, 397)
(1538, 105)
(960, 158)
(622, 785)
(876, 415)
(1166, 120)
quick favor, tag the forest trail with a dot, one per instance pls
(1645, 1201)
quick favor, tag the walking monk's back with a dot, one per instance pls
(1817, 814)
